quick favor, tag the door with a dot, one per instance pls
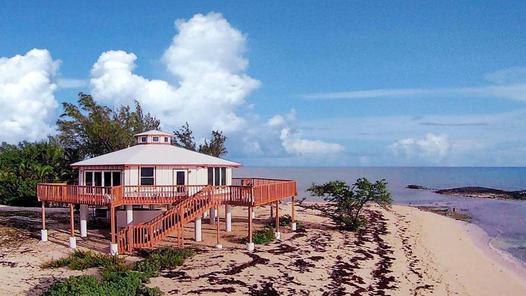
(180, 180)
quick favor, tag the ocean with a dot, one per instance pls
(503, 220)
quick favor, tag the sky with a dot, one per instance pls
(295, 83)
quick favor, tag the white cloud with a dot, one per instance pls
(515, 91)
(27, 96)
(432, 147)
(207, 62)
(507, 76)
(294, 144)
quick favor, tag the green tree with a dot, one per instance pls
(345, 203)
(27, 164)
(184, 137)
(89, 129)
(216, 146)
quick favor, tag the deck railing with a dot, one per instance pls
(147, 234)
(63, 193)
(243, 192)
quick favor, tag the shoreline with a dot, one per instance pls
(482, 239)
(462, 255)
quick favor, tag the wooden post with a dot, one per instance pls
(277, 216)
(293, 214)
(250, 225)
(112, 223)
(43, 215)
(71, 220)
(218, 245)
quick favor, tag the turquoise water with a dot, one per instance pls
(503, 220)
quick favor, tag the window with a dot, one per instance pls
(147, 176)
(144, 139)
(88, 179)
(97, 176)
(107, 179)
(217, 176)
(223, 176)
(210, 176)
(166, 139)
(116, 178)
(156, 139)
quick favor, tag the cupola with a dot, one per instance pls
(153, 137)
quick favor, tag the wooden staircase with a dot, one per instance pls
(147, 235)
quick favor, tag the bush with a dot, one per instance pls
(80, 260)
(27, 164)
(163, 258)
(74, 285)
(345, 203)
(114, 283)
(117, 278)
(263, 236)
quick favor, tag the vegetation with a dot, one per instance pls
(91, 129)
(117, 277)
(215, 146)
(285, 220)
(85, 129)
(163, 258)
(27, 164)
(80, 260)
(263, 236)
(345, 203)
(115, 284)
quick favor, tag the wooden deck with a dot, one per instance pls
(244, 192)
(185, 203)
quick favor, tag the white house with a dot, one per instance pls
(161, 187)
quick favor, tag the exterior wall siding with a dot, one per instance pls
(165, 175)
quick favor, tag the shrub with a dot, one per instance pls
(117, 278)
(163, 258)
(80, 260)
(345, 203)
(263, 236)
(74, 285)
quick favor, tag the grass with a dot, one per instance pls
(117, 277)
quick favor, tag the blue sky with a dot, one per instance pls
(347, 83)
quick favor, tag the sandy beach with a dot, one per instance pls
(403, 251)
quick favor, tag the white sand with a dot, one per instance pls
(407, 252)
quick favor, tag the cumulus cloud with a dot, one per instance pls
(431, 147)
(294, 144)
(27, 95)
(206, 59)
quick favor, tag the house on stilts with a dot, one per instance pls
(160, 188)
